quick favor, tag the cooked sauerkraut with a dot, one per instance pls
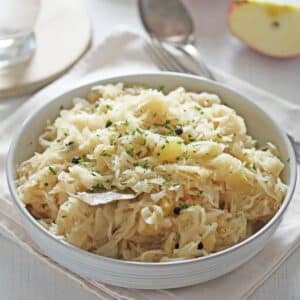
(200, 183)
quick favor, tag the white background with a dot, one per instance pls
(24, 277)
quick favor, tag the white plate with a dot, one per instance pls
(152, 275)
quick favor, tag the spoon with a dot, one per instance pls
(169, 22)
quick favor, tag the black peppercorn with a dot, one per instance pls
(179, 131)
(108, 123)
(76, 160)
(176, 210)
(200, 246)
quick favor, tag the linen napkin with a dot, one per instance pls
(123, 52)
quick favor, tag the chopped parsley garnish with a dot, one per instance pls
(130, 151)
(109, 107)
(200, 193)
(70, 143)
(52, 170)
(161, 88)
(199, 109)
(254, 167)
(104, 153)
(288, 160)
(139, 131)
(184, 206)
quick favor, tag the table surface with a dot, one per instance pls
(25, 277)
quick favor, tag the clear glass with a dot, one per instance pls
(17, 40)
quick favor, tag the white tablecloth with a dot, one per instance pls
(22, 277)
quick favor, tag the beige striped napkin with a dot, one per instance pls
(107, 59)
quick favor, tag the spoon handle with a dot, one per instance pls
(191, 51)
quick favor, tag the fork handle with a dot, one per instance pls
(192, 52)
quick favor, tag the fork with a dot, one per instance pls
(166, 61)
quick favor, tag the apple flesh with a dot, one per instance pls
(271, 28)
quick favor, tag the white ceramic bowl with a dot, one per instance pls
(152, 275)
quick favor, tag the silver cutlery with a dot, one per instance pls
(170, 23)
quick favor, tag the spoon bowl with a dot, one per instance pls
(169, 22)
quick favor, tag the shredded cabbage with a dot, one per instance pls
(201, 183)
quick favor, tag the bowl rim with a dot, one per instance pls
(133, 76)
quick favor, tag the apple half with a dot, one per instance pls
(271, 28)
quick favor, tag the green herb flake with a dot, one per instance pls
(200, 193)
(139, 131)
(199, 109)
(254, 167)
(130, 151)
(183, 206)
(52, 170)
(46, 184)
(109, 107)
(288, 160)
(104, 153)
(161, 88)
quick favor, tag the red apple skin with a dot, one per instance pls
(230, 10)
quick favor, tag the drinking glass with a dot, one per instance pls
(17, 40)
